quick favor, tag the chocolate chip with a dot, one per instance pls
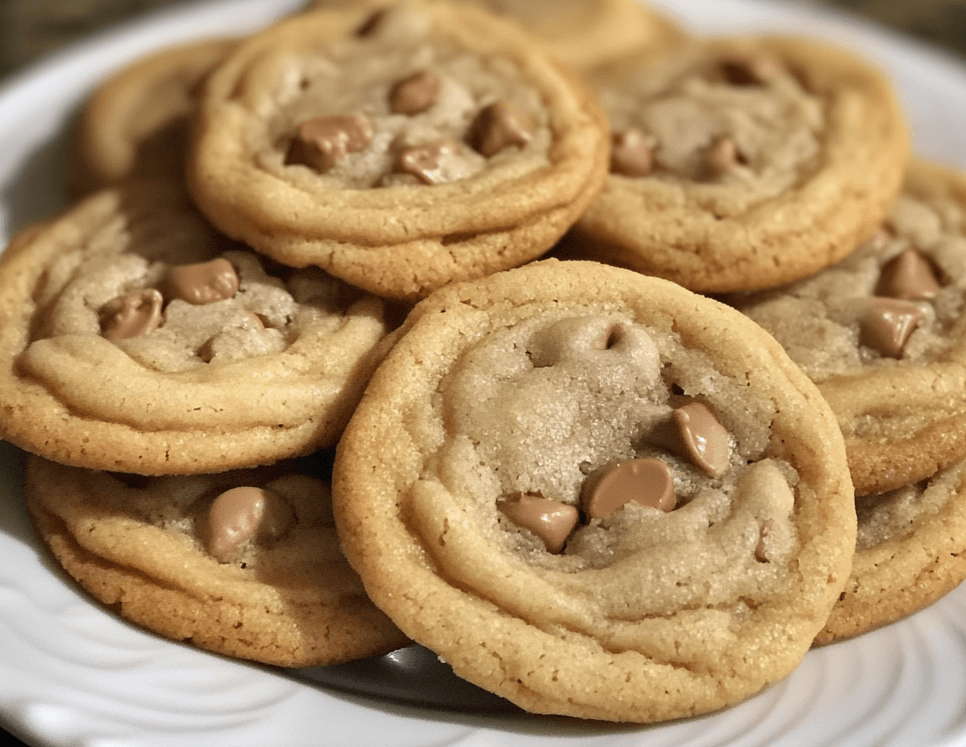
(552, 521)
(371, 23)
(631, 154)
(320, 142)
(703, 439)
(201, 283)
(243, 514)
(887, 323)
(750, 71)
(723, 156)
(425, 162)
(648, 482)
(498, 126)
(414, 94)
(908, 276)
(131, 315)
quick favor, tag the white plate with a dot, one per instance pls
(72, 674)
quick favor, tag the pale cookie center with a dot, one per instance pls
(172, 317)
(744, 124)
(898, 297)
(575, 452)
(400, 105)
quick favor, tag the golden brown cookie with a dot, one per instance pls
(245, 564)
(582, 33)
(398, 149)
(136, 122)
(740, 163)
(910, 552)
(587, 33)
(136, 338)
(596, 494)
(883, 335)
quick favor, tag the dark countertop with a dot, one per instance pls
(31, 29)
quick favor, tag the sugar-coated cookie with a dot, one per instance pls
(400, 148)
(245, 564)
(136, 338)
(884, 335)
(136, 122)
(596, 494)
(910, 552)
(743, 162)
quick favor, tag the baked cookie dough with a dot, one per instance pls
(587, 33)
(582, 33)
(596, 494)
(136, 122)
(245, 564)
(135, 338)
(910, 552)
(741, 163)
(883, 334)
(400, 148)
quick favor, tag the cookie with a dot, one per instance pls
(136, 338)
(245, 564)
(596, 494)
(136, 122)
(588, 33)
(910, 552)
(883, 335)
(399, 149)
(744, 162)
(583, 33)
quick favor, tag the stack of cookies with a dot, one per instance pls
(441, 322)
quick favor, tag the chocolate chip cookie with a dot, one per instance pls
(910, 552)
(883, 335)
(742, 163)
(245, 564)
(136, 338)
(398, 149)
(596, 494)
(136, 122)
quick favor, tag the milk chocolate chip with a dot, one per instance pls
(552, 521)
(242, 514)
(631, 154)
(201, 283)
(751, 70)
(887, 323)
(131, 315)
(908, 276)
(497, 126)
(645, 481)
(414, 94)
(320, 142)
(703, 439)
(723, 156)
(426, 162)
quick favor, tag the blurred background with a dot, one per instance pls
(30, 29)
